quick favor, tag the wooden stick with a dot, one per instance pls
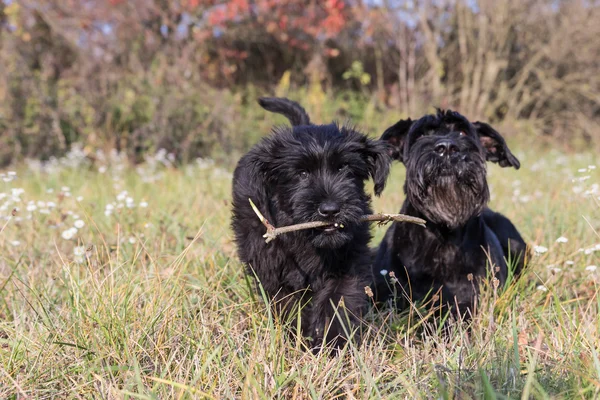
(382, 219)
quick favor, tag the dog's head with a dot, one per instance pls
(445, 157)
(318, 173)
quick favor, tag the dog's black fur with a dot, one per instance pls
(301, 174)
(445, 157)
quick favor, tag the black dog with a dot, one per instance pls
(310, 173)
(445, 157)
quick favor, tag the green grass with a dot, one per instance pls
(158, 305)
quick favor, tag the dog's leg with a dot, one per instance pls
(337, 310)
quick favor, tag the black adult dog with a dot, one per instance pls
(445, 157)
(302, 174)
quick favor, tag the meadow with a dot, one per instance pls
(123, 282)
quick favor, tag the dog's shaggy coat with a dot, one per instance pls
(301, 174)
(464, 241)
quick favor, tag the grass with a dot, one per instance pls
(151, 302)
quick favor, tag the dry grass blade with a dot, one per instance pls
(382, 219)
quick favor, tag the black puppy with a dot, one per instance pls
(445, 157)
(302, 174)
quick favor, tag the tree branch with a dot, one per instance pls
(382, 219)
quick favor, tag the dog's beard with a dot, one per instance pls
(335, 239)
(332, 237)
(303, 207)
(448, 193)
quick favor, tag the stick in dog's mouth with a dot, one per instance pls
(381, 218)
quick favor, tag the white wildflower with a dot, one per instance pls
(562, 239)
(143, 204)
(591, 268)
(16, 192)
(540, 249)
(79, 251)
(383, 272)
(121, 196)
(79, 198)
(15, 243)
(542, 288)
(132, 240)
(79, 224)
(69, 233)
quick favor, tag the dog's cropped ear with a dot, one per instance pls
(495, 147)
(288, 108)
(378, 160)
(396, 135)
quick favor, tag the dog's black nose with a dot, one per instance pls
(446, 147)
(329, 209)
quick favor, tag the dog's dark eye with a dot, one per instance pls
(303, 174)
(462, 133)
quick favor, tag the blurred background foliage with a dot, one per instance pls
(141, 75)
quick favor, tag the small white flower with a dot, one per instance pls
(51, 204)
(65, 189)
(79, 259)
(132, 240)
(15, 243)
(31, 207)
(49, 190)
(148, 225)
(591, 268)
(121, 196)
(16, 192)
(590, 167)
(143, 204)
(102, 169)
(79, 224)
(69, 233)
(79, 251)
(79, 198)
(562, 239)
(108, 213)
(582, 170)
(540, 249)
(569, 262)
(13, 173)
(542, 288)
(383, 272)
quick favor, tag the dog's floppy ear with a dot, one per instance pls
(378, 160)
(396, 136)
(495, 147)
(288, 108)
